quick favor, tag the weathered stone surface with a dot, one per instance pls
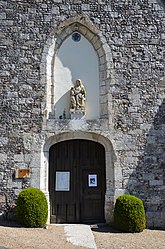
(132, 91)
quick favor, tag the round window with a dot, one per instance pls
(76, 37)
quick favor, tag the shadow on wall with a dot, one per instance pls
(62, 106)
(148, 181)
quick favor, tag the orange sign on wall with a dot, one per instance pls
(22, 173)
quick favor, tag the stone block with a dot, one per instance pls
(35, 160)
(55, 10)
(19, 158)
(3, 141)
(3, 157)
(85, 7)
(77, 114)
(156, 182)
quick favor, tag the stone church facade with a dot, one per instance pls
(117, 49)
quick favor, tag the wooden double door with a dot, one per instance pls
(77, 182)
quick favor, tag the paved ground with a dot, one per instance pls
(13, 236)
(80, 235)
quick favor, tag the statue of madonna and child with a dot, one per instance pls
(78, 96)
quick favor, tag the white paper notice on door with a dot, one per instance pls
(92, 180)
(62, 181)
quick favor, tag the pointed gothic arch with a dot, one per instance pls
(85, 27)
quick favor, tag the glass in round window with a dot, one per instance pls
(76, 37)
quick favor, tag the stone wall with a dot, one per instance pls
(135, 34)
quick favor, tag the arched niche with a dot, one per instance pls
(94, 38)
(76, 59)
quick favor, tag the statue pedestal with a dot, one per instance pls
(77, 114)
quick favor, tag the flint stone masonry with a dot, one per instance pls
(129, 39)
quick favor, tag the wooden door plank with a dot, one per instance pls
(76, 156)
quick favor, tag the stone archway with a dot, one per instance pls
(85, 27)
(73, 130)
(109, 194)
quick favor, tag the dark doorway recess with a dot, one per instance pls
(77, 182)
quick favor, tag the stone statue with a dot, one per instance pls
(78, 96)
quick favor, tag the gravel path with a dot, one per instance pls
(107, 238)
(15, 237)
